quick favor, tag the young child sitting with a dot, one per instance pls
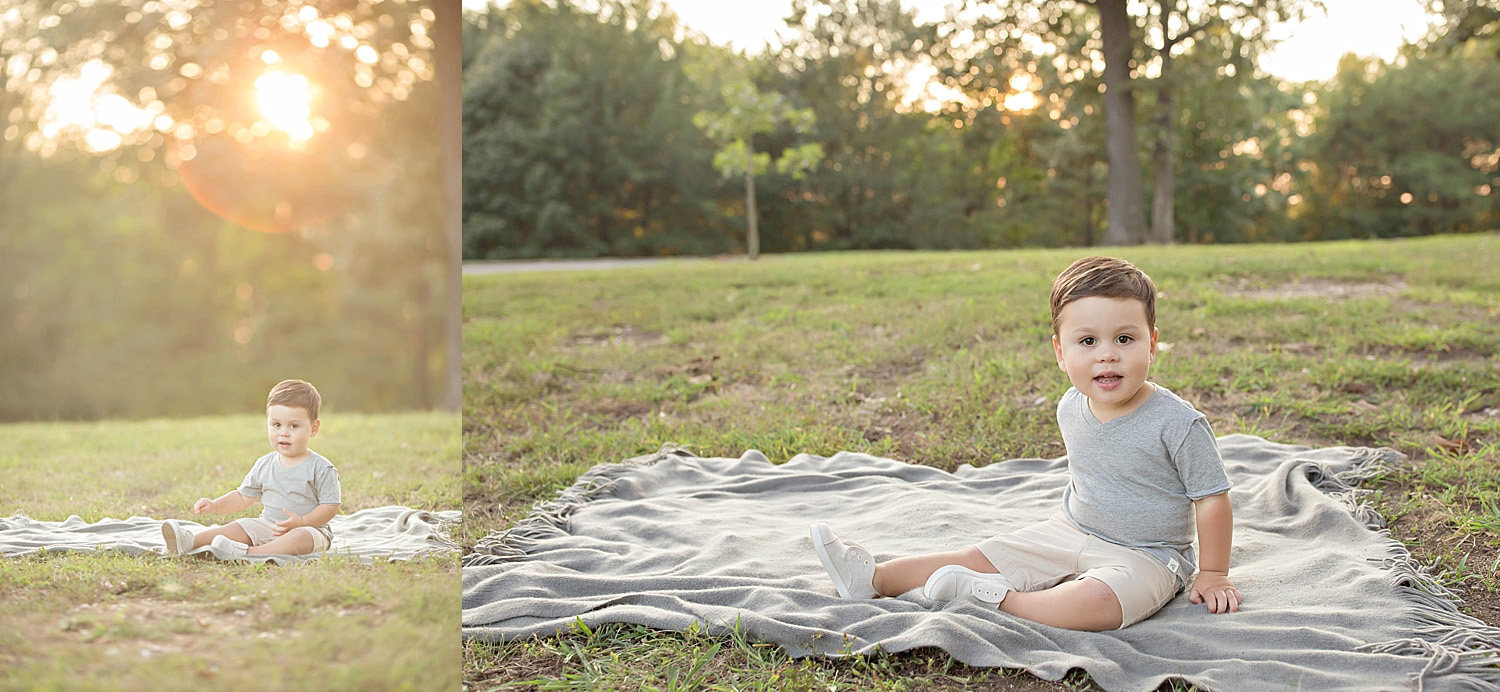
(297, 487)
(1141, 462)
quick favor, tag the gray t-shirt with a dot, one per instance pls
(300, 488)
(1134, 479)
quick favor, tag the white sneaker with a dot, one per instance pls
(849, 565)
(179, 540)
(226, 548)
(957, 581)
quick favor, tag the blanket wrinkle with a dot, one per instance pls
(1332, 600)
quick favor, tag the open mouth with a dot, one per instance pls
(1108, 381)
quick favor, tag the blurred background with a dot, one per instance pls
(627, 127)
(199, 198)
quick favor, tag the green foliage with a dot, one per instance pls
(1407, 149)
(973, 161)
(578, 136)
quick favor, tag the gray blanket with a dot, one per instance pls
(668, 540)
(391, 533)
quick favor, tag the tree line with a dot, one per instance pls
(588, 129)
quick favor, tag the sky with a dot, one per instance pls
(1311, 50)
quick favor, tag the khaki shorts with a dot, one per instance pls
(1044, 555)
(261, 532)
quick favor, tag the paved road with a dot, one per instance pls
(517, 266)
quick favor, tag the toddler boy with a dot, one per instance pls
(1142, 464)
(297, 487)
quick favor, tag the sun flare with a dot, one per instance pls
(286, 103)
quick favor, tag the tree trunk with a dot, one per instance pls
(752, 232)
(1088, 221)
(1163, 200)
(447, 46)
(1126, 224)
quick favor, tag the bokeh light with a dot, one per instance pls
(286, 102)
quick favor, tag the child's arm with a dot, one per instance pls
(230, 503)
(1215, 531)
(317, 517)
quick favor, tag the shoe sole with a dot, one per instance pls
(169, 535)
(937, 576)
(821, 535)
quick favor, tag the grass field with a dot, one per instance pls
(944, 359)
(108, 621)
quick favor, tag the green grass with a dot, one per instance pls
(944, 359)
(109, 621)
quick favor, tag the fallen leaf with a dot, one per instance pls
(1199, 331)
(1458, 446)
(1365, 406)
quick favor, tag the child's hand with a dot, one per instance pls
(203, 505)
(292, 521)
(1215, 590)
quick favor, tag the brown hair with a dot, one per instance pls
(297, 394)
(1104, 277)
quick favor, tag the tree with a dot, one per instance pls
(847, 60)
(578, 135)
(1407, 149)
(1128, 34)
(748, 112)
(1466, 20)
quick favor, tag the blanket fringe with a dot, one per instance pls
(1460, 650)
(549, 518)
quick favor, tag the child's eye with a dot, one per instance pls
(1087, 341)
(1123, 339)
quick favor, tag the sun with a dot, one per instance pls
(285, 101)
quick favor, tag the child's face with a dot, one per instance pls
(1106, 347)
(289, 430)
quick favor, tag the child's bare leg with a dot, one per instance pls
(232, 530)
(1081, 604)
(295, 542)
(906, 573)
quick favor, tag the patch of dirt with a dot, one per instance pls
(607, 413)
(509, 669)
(160, 623)
(1427, 532)
(1425, 357)
(882, 420)
(878, 377)
(1326, 289)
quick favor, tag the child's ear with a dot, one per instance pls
(316, 422)
(1155, 334)
(1057, 351)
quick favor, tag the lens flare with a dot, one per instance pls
(286, 103)
(267, 189)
